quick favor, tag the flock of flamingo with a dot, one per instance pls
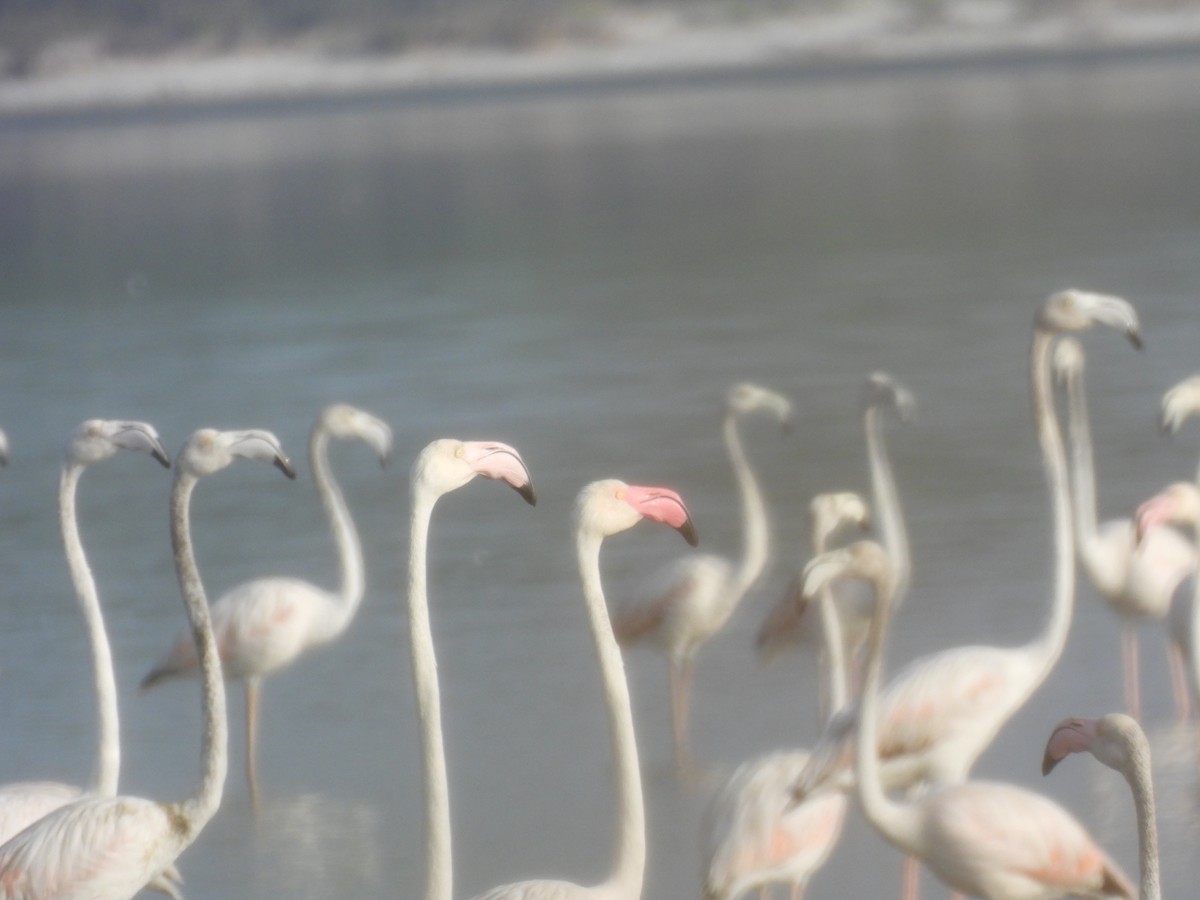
(904, 751)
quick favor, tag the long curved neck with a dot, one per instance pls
(629, 862)
(896, 821)
(439, 871)
(755, 539)
(108, 749)
(887, 502)
(1083, 467)
(1138, 776)
(203, 803)
(1048, 646)
(345, 536)
(831, 631)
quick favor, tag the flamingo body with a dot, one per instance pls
(754, 836)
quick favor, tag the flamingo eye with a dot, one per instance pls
(620, 495)
(459, 452)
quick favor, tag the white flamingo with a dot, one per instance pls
(443, 466)
(1136, 578)
(24, 802)
(984, 839)
(1118, 742)
(752, 835)
(110, 847)
(941, 711)
(606, 508)
(691, 600)
(792, 619)
(266, 624)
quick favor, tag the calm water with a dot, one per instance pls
(583, 276)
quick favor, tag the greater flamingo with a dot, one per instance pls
(1118, 742)
(752, 835)
(855, 602)
(110, 847)
(689, 601)
(22, 803)
(1136, 578)
(985, 839)
(443, 466)
(605, 508)
(941, 711)
(266, 624)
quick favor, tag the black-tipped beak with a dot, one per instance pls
(1048, 763)
(688, 530)
(526, 492)
(160, 454)
(1135, 338)
(284, 465)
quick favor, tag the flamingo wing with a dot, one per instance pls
(665, 595)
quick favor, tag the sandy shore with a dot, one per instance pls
(648, 48)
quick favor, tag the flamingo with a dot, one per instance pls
(854, 602)
(985, 839)
(1136, 578)
(443, 466)
(110, 847)
(941, 711)
(1118, 742)
(605, 508)
(24, 802)
(266, 624)
(691, 599)
(752, 836)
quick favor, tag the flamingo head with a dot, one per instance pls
(1076, 310)
(829, 512)
(1179, 504)
(1068, 360)
(610, 506)
(882, 390)
(746, 397)
(348, 423)
(208, 451)
(1180, 403)
(98, 439)
(447, 464)
(1112, 739)
(861, 559)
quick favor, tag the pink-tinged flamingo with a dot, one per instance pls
(605, 508)
(941, 711)
(690, 600)
(1136, 578)
(110, 847)
(266, 624)
(1118, 742)
(22, 803)
(752, 834)
(984, 839)
(793, 618)
(443, 466)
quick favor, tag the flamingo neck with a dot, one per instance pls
(755, 539)
(438, 854)
(345, 536)
(1049, 645)
(203, 803)
(1139, 778)
(108, 749)
(629, 863)
(831, 634)
(887, 502)
(895, 821)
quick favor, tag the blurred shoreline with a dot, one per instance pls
(648, 50)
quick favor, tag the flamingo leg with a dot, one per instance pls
(252, 695)
(1129, 656)
(681, 675)
(797, 892)
(912, 878)
(1179, 685)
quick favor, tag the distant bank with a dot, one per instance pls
(665, 57)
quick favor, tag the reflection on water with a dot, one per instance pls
(583, 278)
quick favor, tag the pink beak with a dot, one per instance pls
(1071, 736)
(491, 459)
(663, 505)
(1158, 510)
